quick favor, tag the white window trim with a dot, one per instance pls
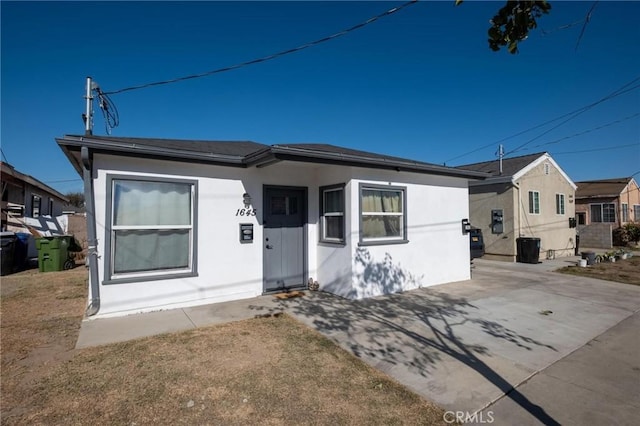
(624, 212)
(117, 278)
(402, 239)
(323, 214)
(531, 206)
(564, 208)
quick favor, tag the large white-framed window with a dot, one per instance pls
(383, 214)
(636, 212)
(151, 228)
(605, 212)
(624, 212)
(332, 219)
(560, 204)
(534, 202)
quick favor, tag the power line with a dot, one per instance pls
(584, 132)
(269, 57)
(599, 149)
(579, 110)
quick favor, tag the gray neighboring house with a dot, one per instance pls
(528, 196)
(24, 196)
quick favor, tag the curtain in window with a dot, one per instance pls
(140, 203)
(151, 250)
(164, 205)
(379, 201)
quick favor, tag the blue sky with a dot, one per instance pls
(421, 83)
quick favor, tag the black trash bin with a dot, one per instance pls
(589, 256)
(528, 250)
(21, 251)
(7, 247)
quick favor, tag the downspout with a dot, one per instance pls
(517, 186)
(92, 241)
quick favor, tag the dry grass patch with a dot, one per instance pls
(623, 271)
(265, 370)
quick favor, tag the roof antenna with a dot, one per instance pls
(500, 154)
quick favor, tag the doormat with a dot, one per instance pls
(289, 295)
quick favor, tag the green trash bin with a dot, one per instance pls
(53, 252)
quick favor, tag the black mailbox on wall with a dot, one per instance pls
(496, 221)
(246, 232)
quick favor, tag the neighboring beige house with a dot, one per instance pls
(527, 196)
(614, 201)
(604, 205)
(24, 196)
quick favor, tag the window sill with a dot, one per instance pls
(381, 243)
(332, 243)
(145, 278)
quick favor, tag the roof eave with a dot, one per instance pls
(132, 148)
(301, 154)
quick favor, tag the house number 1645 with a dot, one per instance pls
(246, 212)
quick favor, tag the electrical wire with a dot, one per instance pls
(584, 132)
(269, 57)
(109, 110)
(623, 89)
(4, 156)
(586, 107)
(599, 149)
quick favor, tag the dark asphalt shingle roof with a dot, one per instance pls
(510, 166)
(228, 148)
(602, 187)
(247, 153)
(332, 149)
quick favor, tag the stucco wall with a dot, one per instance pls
(556, 238)
(552, 228)
(437, 251)
(483, 199)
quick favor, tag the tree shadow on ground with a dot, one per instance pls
(416, 329)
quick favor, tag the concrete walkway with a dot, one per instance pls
(514, 329)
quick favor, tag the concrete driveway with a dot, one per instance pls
(515, 329)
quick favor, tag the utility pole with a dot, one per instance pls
(88, 115)
(500, 155)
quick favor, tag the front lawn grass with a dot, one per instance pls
(272, 371)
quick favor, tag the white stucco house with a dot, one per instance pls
(176, 223)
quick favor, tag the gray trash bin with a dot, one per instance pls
(7, 246)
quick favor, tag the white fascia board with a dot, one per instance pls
(545, 157)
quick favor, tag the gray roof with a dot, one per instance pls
(510, 166)
(8, 169)
(247, 153)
